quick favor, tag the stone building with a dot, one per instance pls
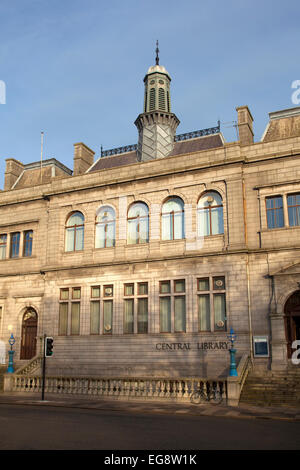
(140, 261)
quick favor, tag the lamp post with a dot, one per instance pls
(232, 351)
(10, 368)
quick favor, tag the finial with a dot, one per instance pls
(157, 51)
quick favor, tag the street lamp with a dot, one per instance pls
(10, 368)
(232, 351)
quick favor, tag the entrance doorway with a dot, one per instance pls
(29, 332)
(292, 320)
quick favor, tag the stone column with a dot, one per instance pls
(279, 360)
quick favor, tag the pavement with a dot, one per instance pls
(243, 411)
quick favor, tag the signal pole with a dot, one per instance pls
(48, 351)
(44, 369)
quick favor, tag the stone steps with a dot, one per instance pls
(272, 389)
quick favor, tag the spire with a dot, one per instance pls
(157, 56)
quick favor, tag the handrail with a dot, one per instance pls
(29, 366)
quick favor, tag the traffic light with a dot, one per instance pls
(49, 346)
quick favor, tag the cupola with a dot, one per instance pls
(156, 125)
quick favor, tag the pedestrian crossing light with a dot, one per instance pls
(49, 346)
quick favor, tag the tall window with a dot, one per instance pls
(69, 311)
(211, 304)
(105, 228)
(27, 248)
(75, 232)
(274, 208)
(135, 308)
(210, 214)
(3, 244)
(14, 244)
(173, 219)
(293, 202)
(101, 306)
(172, 306)
(138, 223)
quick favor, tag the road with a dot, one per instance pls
(57, 428)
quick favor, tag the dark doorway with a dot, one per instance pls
(292, 320)
(29, 332)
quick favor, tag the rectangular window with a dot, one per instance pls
(143, 288)
(101, 310)
(179, 313)
(203, 312)
(76, 293)
(75, 318)
(274, 208)
(64, 294)
(136, 308)
(14, 244)
(69, 311)
(95, 317)
(142, 315)
(219, 311)
(128, 316)
(95, 291)
(211, 304)
(108, 291)
(27, 248)
(3, 244)
(107, 317)
(63, 319)
(203, 284)
(172, 306)
(164, 287)
(293, 203)
(165, 314)
(128, 289)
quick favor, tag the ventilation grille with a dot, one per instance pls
(161, 99)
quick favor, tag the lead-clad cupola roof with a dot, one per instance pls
(157, 68)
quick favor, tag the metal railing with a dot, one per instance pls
(177, 138)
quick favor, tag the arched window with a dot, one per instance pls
(138, 224)
(210, 214)
(105, 228)
(172, 219)
(75, 232)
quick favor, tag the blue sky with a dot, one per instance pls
(74, 69)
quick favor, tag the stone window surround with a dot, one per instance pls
(71, 299)
(191, 294)
(21, 245)
(193, 209)
(265, 192)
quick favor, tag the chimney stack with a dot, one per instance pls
(83, 158)
(12, 172)
(245, 125)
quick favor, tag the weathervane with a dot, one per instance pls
(157, 51)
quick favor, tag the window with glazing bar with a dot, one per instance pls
(211, 296)
(172, 306)
(101, 306)
(135, 308)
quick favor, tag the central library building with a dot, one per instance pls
(139, 261)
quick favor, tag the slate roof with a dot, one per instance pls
(180, 148)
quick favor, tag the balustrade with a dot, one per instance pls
(147, 388)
